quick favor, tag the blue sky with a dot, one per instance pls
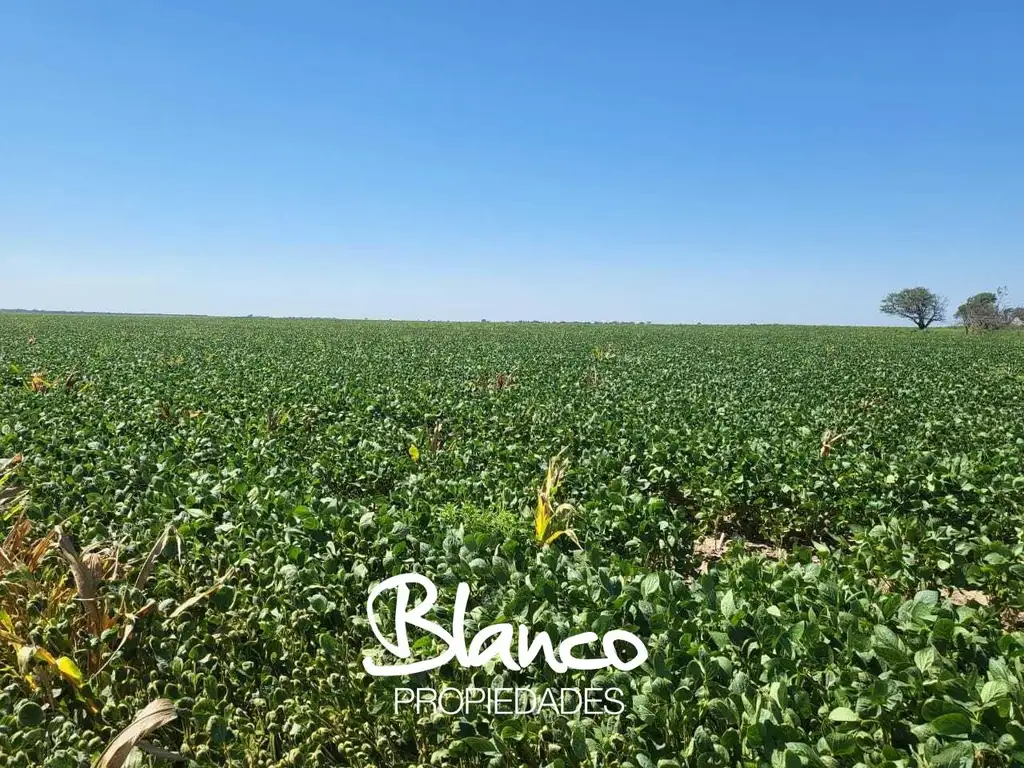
(662, 161)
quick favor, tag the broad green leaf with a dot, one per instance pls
(924, 658)
(993, 690)
(649, 585)
(955, 756)
(843, 715)
(480, 745)
(952, 724)
(728, 604)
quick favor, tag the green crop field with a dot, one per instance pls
(816, 533)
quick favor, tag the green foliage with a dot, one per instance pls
(501, 520)
(989, 311)
(887, 464)
(918, 305)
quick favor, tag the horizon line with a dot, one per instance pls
(482, 321)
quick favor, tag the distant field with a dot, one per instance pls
(817, 532)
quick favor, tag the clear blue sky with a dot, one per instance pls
(665, 161)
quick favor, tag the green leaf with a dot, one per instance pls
(943, 629)
(992, 690)
(923, 731)
(218, 729)
(480, 745)
(843, 715)
(649, 585)
(924, 658)
(367, 522)
(998, 670)
(319, 603)
(30, 714)
(796, 631)
(952, 724)
(721, 639)
(935, 708)
(728, 604)
(642, 707)
(956, 756)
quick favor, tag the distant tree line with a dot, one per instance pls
(986, 311)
